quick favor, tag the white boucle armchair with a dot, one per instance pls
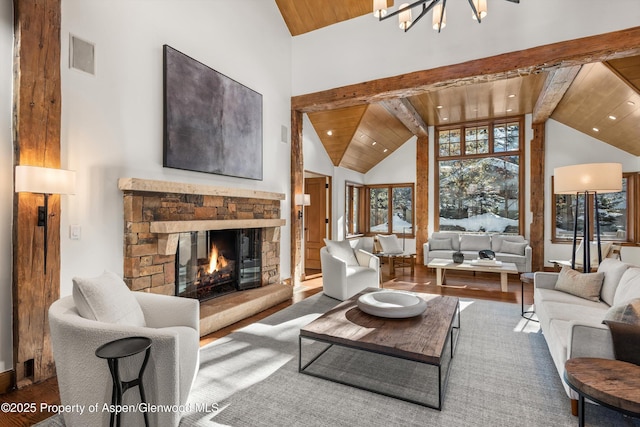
(345, 276)
(172, 323)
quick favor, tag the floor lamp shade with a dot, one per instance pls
(589, 177)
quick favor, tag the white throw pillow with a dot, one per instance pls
(342, 250)
(516, 248)
(107, 298)
(390, 244)
(440, 245)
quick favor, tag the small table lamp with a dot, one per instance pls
(587, 178)
(47, 181)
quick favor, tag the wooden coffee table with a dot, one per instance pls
(611, 383)
(505, 268)
(422, 339)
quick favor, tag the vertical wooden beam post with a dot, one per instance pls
(37, 113)
(536, 232)
(422, 196)
(297, 183)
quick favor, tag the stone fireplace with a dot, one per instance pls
(157, 214)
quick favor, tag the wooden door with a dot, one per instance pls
(315, 221)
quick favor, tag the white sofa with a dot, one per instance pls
(443, 244)
(572, 326)
(347, 271)
(172, 323)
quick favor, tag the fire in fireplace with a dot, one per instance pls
(214, 263)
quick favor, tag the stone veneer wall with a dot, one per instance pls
(146, 269)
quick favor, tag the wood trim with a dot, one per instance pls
(422, 197)
(536, 176)
(404, 111)
(153, 186)
(297, 187)
(555, 86)
(36, 124)
(6, 381)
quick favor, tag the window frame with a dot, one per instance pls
(366, 210)
(491, 124)
(633, 222)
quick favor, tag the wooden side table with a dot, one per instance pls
(116, 350)
(402, 261)
(611, 383)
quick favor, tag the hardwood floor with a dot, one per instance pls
(460, 284)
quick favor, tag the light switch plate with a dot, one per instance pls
(75, 232)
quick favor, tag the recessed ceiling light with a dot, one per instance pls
(512, 96)
(373, 143)
(445, 118)
(509, 110)
(438, 106)
(329, 132)
(612, 117)
(596, 130)
(631, 103)
(385, 150)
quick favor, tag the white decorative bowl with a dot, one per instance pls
(392, 304)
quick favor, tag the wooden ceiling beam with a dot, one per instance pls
(404, 111)
(555, 86)
(598, 48)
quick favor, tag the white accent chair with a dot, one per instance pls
(345, 271)
(171, 323)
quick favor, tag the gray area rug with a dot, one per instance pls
(501, 375)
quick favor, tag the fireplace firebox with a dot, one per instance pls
(217, 262)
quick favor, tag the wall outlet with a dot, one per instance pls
(75, 232)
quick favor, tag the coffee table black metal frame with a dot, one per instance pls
(115, 350)
(452, 339)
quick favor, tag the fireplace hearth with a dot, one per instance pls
(213, 263)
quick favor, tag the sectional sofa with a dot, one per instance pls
(507, 247)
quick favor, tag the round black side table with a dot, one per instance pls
(116, 350)
(525, 278)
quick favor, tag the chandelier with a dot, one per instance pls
(439, 18)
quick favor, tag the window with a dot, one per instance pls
(478, 176)
(615, 213)
(352, 209)
(390, 208)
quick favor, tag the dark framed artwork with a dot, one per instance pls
(212, 123)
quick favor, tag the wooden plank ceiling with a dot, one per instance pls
(593, 94)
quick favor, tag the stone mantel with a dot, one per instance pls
(170, 227)
(154, 186)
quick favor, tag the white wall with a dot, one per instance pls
(566, 146)
(6, 183)
(112, 123)
(365, 49)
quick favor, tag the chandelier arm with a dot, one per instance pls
(444, 4)
(412, 5)
(475, 11)
(425, 10)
